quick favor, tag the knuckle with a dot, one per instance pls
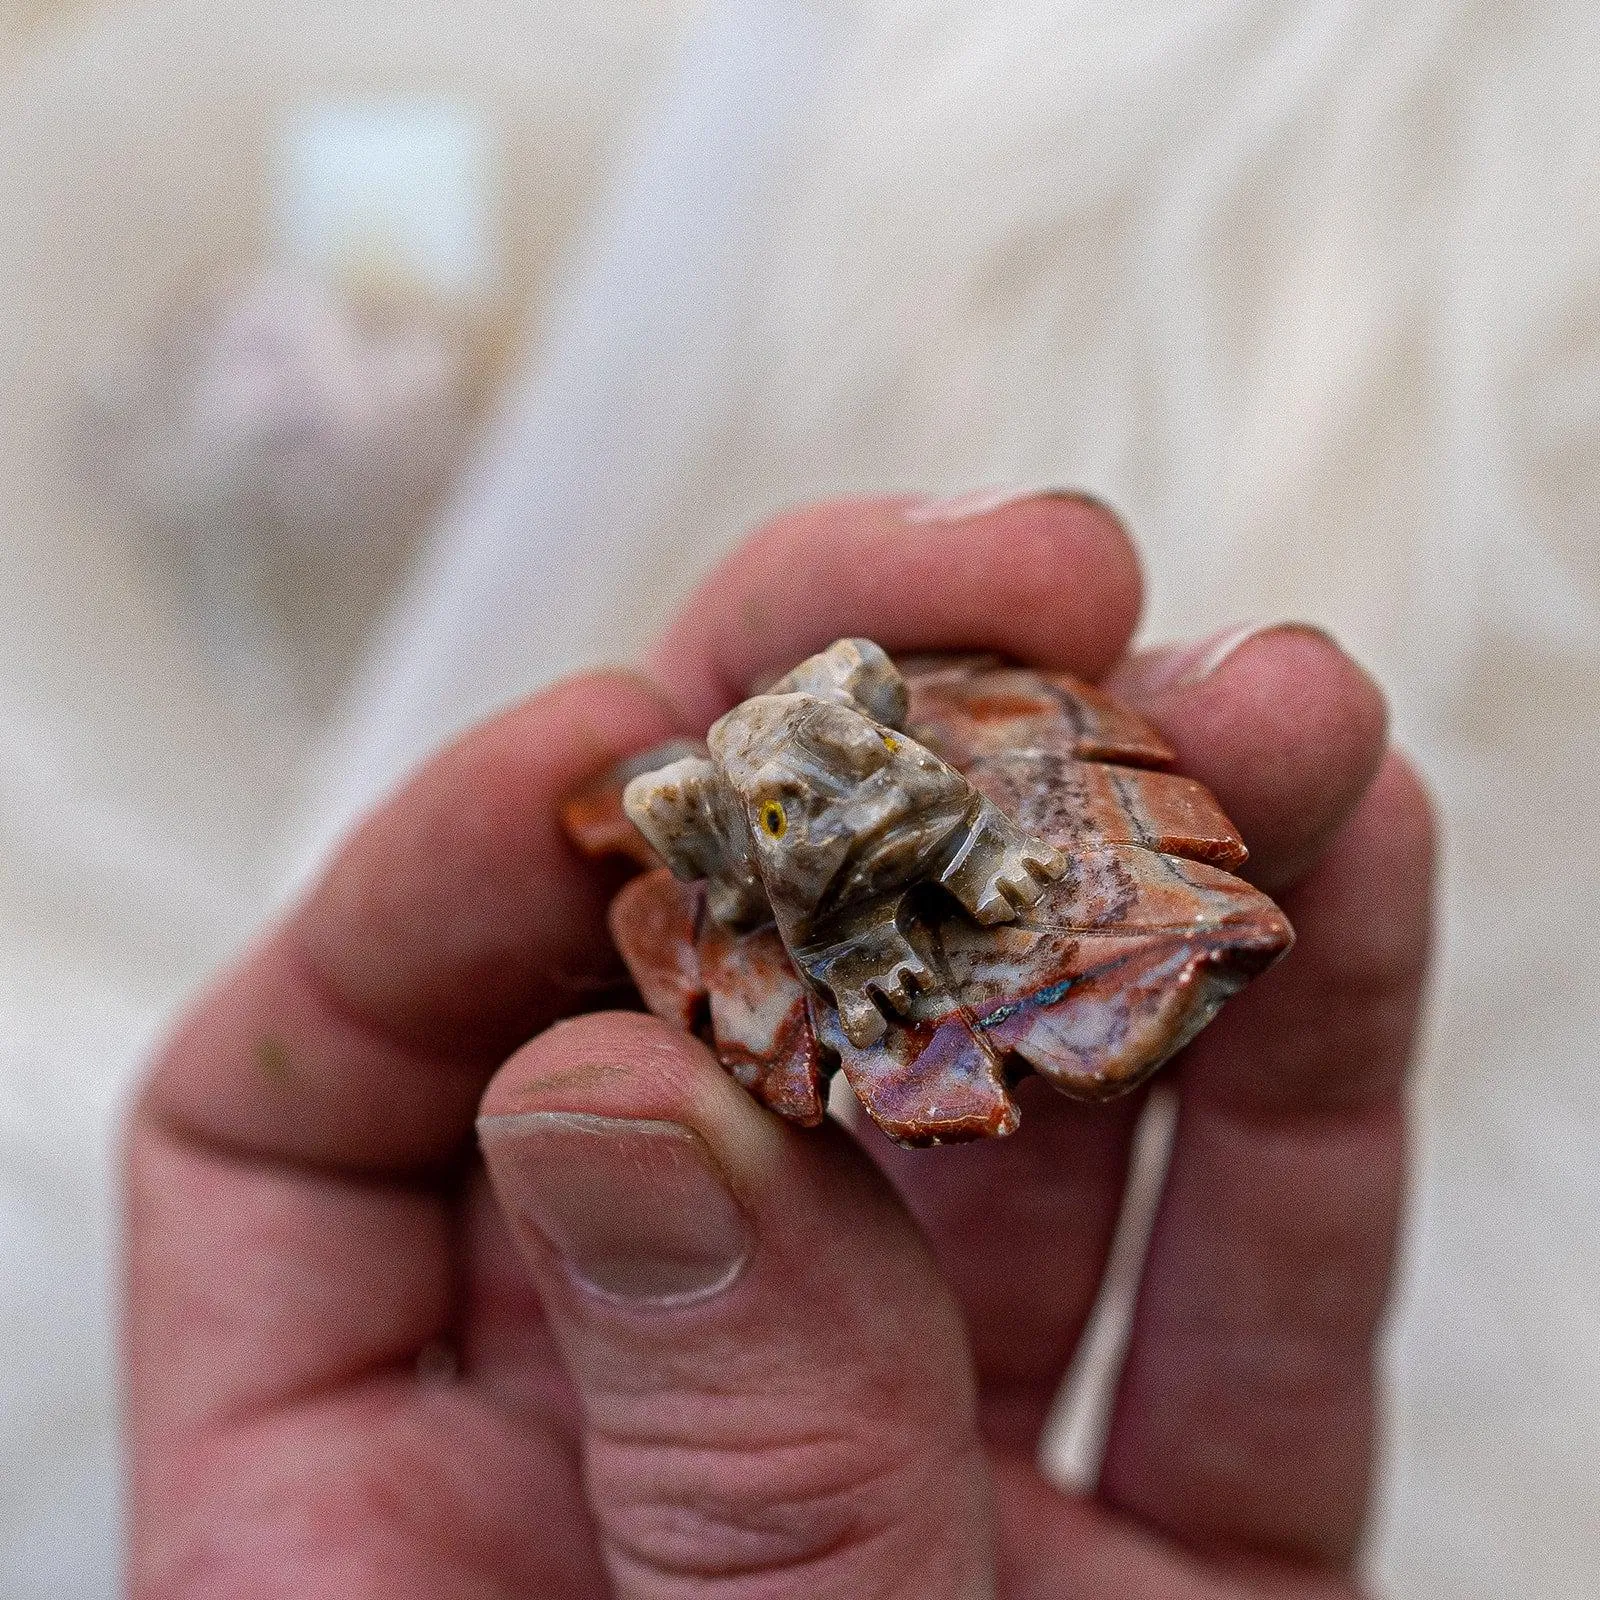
(838, 1504)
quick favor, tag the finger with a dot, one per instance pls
(1057, 1546)
(1286, 730)
(774, 1382)
(1021, 1228)
(291, 1414)
(284, 1234)
(1245, 1414)
(1282, 726)
(455, 922)
(1049, 579)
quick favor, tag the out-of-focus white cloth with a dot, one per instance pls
(1310, 290)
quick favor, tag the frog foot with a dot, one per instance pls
(999, 871)
(873, 962)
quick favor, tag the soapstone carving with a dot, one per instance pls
(934, 876)
(817, 811)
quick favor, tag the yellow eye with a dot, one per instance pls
(773, 820)
(890, 743)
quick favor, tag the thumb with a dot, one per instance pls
(776, 1391)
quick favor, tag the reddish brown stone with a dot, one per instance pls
(1118, 964)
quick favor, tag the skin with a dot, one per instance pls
(347, 1374)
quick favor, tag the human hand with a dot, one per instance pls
(661, 1344)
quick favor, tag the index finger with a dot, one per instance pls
(453, 924)
(1049, 578)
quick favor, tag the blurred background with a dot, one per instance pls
(363, 365)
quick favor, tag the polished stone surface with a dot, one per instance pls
(933, 876)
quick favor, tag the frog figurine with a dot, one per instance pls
(815, 808)
(932, 875)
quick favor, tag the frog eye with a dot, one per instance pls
(890, 743)
(774, 820)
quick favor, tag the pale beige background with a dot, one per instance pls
(1312, 291)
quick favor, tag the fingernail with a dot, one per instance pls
(980, 502)
(1181, 666)
(637, 1211)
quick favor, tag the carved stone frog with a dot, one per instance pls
(933, 877)
(817, 810)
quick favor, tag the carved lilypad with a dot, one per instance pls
(1115, 965)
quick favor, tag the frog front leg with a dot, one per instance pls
(868, 956)
(998, 871)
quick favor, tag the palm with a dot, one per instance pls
(350, 1378)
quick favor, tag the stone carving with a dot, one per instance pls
(934, 875)
(816, 810)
